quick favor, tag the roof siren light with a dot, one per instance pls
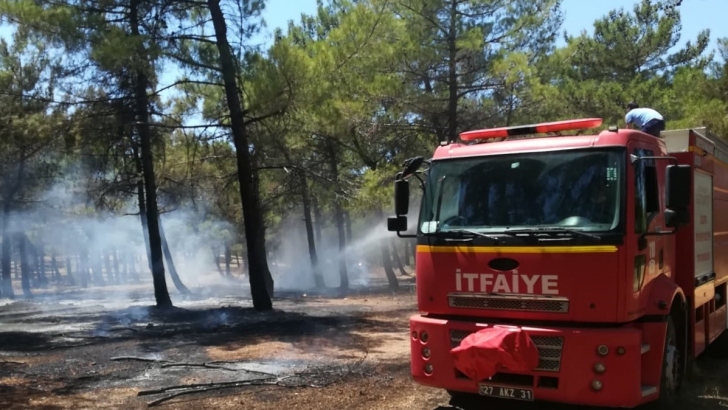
(568, 125)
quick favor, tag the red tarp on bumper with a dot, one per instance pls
(483, 353)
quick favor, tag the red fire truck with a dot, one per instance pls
(583, 269)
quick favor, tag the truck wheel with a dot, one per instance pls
(671, 378)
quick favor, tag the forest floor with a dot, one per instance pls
(98, 348)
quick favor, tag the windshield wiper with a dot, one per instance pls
(466, 235)
(552, 230)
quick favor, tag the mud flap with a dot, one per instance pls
(482, 354)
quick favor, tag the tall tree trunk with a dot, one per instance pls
(227, 260)
(349, 236)
(243, 263)
(24, 264)
(397, 261)
(258, 269)
(107, 265)
(386, 261)
(115, 253)
(338, 216)
(143, 217)
(170, 264)
(413, 243)
(406, 250)
(34, 272)
(69, 268)
(124, 255)
(40, 248)
(55, 271)
(83, 266)
(97, 263)
(7, 280)
(343, 273)
(268, 277)
(216, 258)
(161, 294)
(7, 283)
(318, 219)
(317, 277)
(130, 267)
(387, 264)
(67, 257)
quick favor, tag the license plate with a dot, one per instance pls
(506, 392)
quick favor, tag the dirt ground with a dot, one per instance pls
(99, 348)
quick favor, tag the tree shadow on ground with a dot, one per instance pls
(203, 327)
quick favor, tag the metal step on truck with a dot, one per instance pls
(586, 269)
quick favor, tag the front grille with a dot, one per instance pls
(549, 349)
(509, 302)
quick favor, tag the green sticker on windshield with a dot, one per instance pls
(611, 174)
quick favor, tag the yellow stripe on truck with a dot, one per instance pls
(517, 249)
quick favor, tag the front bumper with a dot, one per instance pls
(566, 371)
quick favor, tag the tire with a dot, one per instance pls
(671, 378)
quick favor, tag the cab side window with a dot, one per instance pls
(647, 199)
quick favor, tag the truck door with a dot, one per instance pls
(648, 250)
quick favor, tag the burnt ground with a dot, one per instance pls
(99, 348)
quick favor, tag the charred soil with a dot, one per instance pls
(94, 349)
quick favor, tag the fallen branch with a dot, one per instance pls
(215, 365)
(198, 385)
(206, 365)
(10, 362)
(202, 390)
(167, 363)
(138, 359)
(267, 381)
(70, 346)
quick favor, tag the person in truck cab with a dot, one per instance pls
(647, 120)
(598, 209)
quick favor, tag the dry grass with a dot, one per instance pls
(118, 398)
(30, 360)
(15, 381)
(262, 349)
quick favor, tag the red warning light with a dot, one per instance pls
(568, 125)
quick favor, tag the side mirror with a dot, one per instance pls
(401, 197)
(677, 187)
(412, 165)
(397, 223)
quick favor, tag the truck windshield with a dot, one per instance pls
(577, 189)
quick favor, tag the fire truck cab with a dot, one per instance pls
(581, 269)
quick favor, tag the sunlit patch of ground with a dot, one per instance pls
(28, 360)
(94, 399)
(261, 349)
(14, 381)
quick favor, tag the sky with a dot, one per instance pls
(579, 15)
